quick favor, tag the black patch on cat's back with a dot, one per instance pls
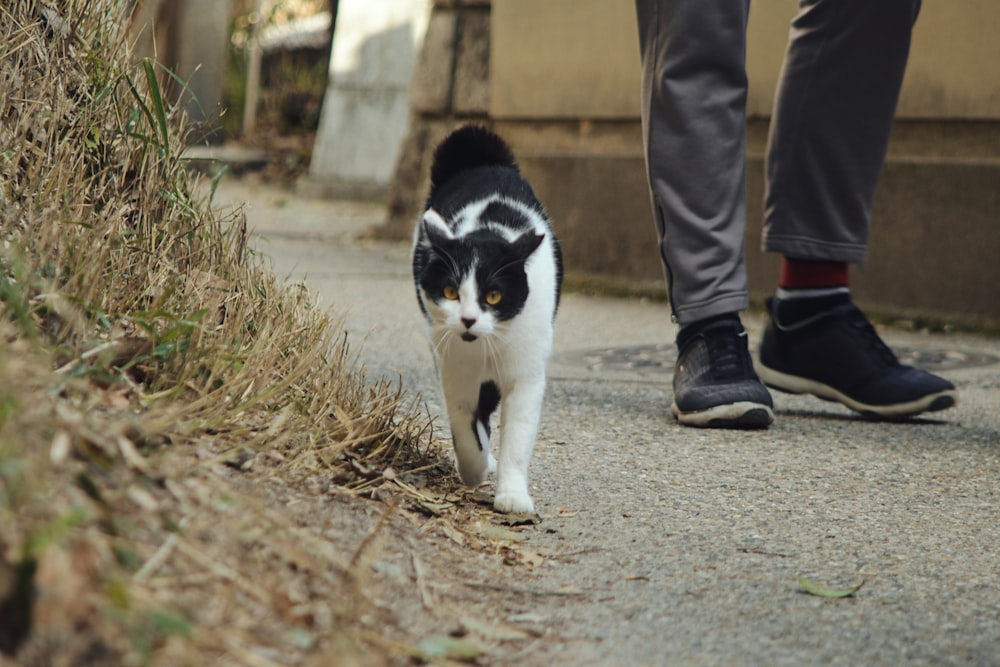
(506, 215)
(478, 184)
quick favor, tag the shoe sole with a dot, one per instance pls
(794, 384)
(741, 415)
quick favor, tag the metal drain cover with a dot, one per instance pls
(662, 356)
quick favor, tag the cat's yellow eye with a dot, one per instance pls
(450, 292)
(493, 297)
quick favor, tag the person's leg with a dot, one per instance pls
(694, 89)
(694, 126)
(830, 130)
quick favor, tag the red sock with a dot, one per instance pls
(799, 273)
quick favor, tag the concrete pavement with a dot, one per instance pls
(683, 546)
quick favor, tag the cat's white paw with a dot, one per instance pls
(514, 503)
(491, 465)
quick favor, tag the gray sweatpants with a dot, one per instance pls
(829, 132)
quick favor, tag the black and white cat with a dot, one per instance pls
(488, 272)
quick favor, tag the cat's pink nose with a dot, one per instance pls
(468, 322)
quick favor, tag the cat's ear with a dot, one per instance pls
(436, 228)
(527, 243)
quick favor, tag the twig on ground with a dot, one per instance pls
(425, 595)
(523, 591)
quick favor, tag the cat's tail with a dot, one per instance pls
(469, 147)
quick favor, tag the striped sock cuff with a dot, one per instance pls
(788, 293)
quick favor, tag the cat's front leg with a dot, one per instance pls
(472, 458)
(470, 439)
(472, 451)
(519, 417)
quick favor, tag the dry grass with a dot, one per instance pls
(146, 355)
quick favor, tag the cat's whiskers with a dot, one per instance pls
(495, 355)
(443, 342)
(500, 333)
(487, 359)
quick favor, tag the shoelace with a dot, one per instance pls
(726, 354)
(857, 319)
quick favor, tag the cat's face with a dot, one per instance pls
(475, 283)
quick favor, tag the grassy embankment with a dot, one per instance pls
(143, 349)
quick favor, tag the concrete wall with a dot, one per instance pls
(580, 59)
(564, 59)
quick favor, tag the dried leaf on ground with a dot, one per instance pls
(496, 533)
(443, 647)
(819, 590)
(493, 631)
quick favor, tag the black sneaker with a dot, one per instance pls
(836, 355)
(714, 381)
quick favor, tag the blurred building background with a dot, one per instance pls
(250, 74)
(560, 80)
